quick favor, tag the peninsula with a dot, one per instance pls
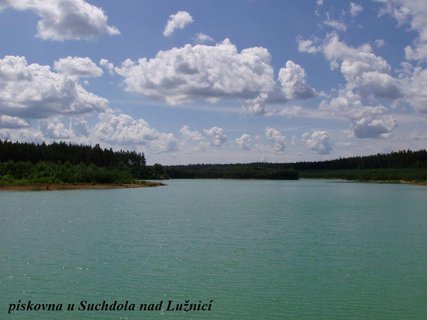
(62, 166)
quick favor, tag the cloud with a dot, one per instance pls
(366, 121)
(363, 70)
(66, 19)
(203, 38)
(368, 81)
(202, 72)
(318, 141)
(54, 128)
(122, 129)
(354, 60)
(107, 65)
(77, 66)
(243, 141)
(373, 127)
(177, 21)
(25, 134)
(415, 14)
(417, 94)
(307, 45)
(338, 25)
(192, 140)
(289, 111)
(368, 78)
(215, 72)
(277, 138)
(355, 9)
(293, 82)
(79, 126)
(34, 91)
(217, 135)
(257, 105)
(188, 134)
(7, 122)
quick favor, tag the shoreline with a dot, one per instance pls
(401, 181)
(413, 182)
(79, 186)
(149, 184)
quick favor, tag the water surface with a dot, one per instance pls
(309, 249)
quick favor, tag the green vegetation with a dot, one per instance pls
(394, 160)
(404, 165)
(396, 166)
(273, 171)
(27, 173)
(61, 163)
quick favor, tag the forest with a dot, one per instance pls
(404, 165)
(401, 165)
(29, 163)
(60, 162)
(271, 171)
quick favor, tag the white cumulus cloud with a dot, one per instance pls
(54, 128)
(122, 129)
(107, 65)
(373, 127)
(366, 74)
(244, 141)
(277, 138)
(65, 19)
(204, 72)
(293, 82)
(307, 45)
(217, 136)
(177, 21)
(417, 94)
(414, 13)
(78, 66)
(12, 122)
(203, 38)
(34, 91)
(192, 140)
(318, 141)
(192, 135)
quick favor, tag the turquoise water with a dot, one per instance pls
(259, 249)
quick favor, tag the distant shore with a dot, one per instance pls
(418, 183)
(78, 186)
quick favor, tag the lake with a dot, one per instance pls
(308, 249)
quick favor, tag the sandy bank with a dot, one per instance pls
(79, 186)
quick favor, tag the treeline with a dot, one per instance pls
(273, 171)
(401, 165)
(73, 153)
(395, 166)
(61, 152)
(394, 160)
(60, 162)
(28, 173)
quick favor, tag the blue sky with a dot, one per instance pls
(216, 81)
